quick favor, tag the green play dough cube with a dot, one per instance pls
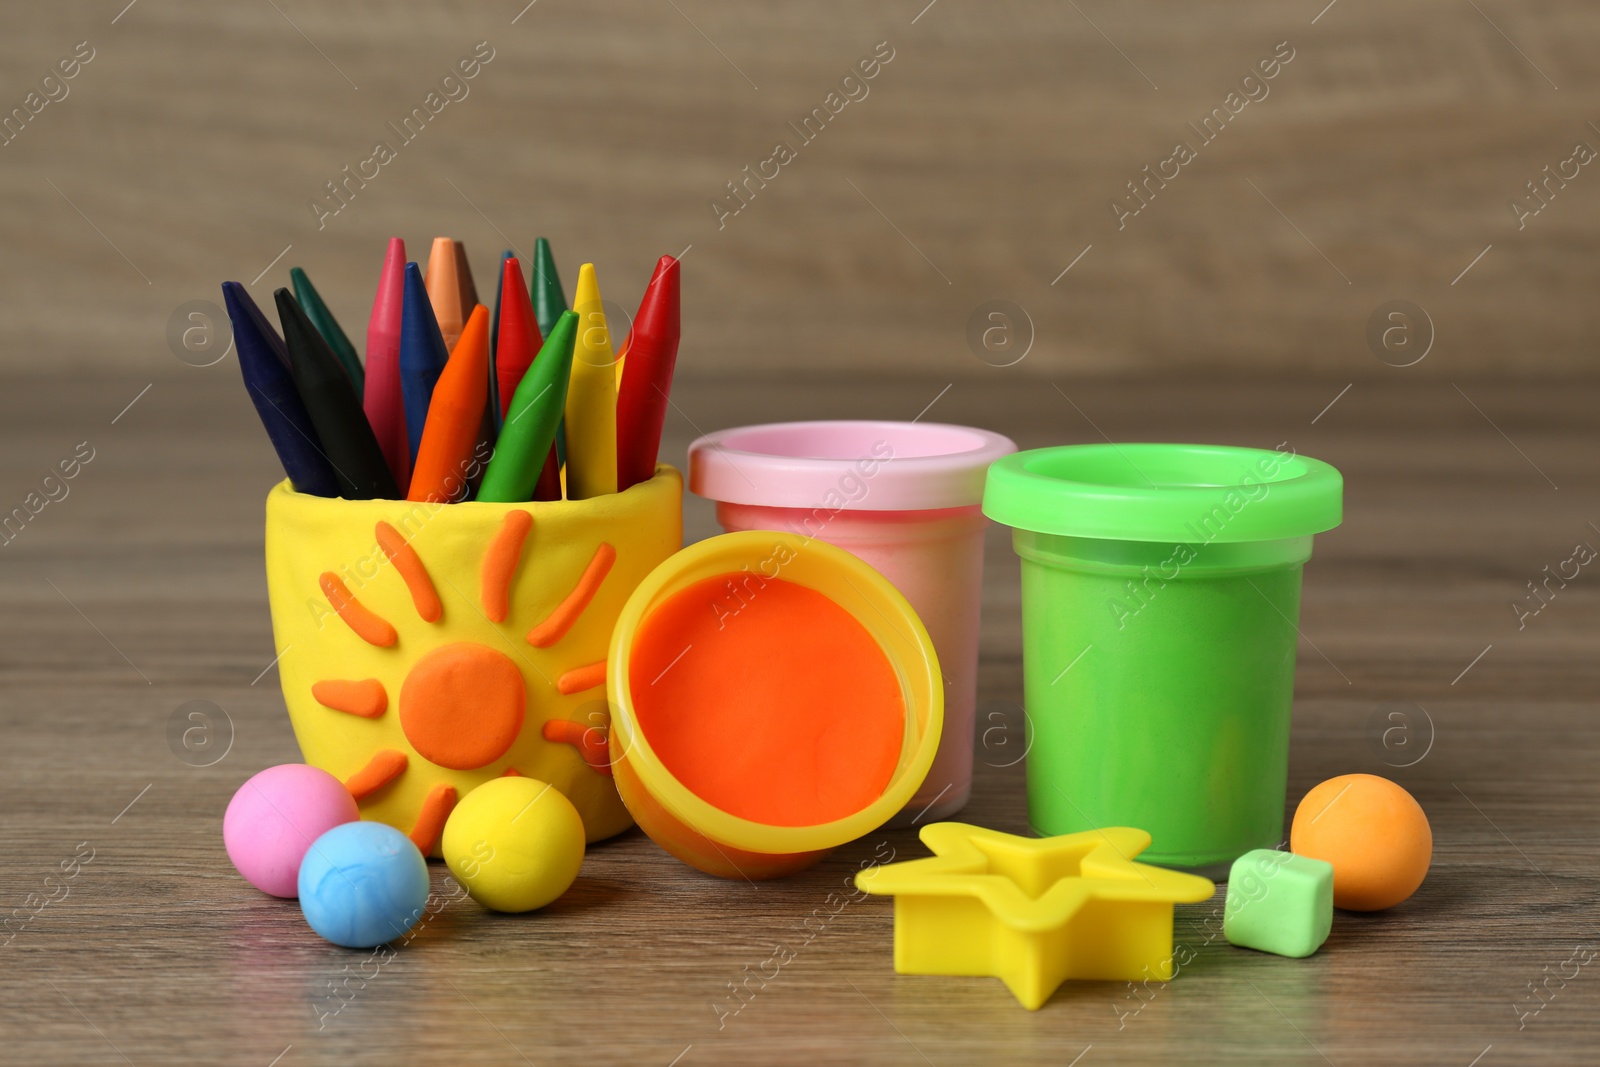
(1279, 902)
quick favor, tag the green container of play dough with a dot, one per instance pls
(1160, 605)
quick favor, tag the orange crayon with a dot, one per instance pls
(442, 470)
(450, 287)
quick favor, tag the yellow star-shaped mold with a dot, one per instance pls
(1033, 912)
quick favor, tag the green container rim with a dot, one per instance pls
(1195, 494)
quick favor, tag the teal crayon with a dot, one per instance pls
(335, 409)
(530, 426)
(311, 303)
(548, 303)
(545, 288)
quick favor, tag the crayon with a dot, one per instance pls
(494, 340)
(422, 357)
(382, 398)
(642, 400)
(450, 288)
(265, 365)
(627, 342)
(522, 341)
(548, 299)
(519, 334)
(334, 408)
(490, 428)
(469, 291)
(591, 398)
(548, 487)
(530, 429)
(488, 431)
(455, 415)
(548, 304)
(311, 303)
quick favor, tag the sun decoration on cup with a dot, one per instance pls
(461, 706)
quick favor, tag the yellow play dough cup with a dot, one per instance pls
(425, 649)
(698, 832)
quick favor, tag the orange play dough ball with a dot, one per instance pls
(1373, 832)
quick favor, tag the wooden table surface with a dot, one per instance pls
(142, 589)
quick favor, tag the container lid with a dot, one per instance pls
(845, 464)
(1165, 492)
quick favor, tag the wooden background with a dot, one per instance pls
(982, 162)
(980, 165)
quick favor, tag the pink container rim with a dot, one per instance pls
(869, 465)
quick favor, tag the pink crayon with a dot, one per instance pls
(383, 402)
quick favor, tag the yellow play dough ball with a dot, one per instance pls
(515, 843)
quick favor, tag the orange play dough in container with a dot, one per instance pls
(772, 697)
(777, 707)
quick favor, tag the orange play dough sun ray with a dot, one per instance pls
(588, 676)
(588, 740)
(500, 564)
(365, 698)
(556, 625)
(372, 629)
(385, 766)
(436, 809)
(409, 564)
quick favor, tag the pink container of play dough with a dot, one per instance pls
(904, 497)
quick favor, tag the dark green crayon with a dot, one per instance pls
(311, 303)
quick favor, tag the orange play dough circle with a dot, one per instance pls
(461, 706)
(776, 706)
(1373, 832)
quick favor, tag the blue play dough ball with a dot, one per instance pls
(363, 884)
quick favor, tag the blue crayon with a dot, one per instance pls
(494, 345)
(264, 363)
(422, 355)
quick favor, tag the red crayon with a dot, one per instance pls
(519, 339)
(381, 399)
(548, 486)
(647, 377)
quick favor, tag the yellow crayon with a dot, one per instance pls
(591, 398)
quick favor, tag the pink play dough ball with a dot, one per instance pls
(273, 819)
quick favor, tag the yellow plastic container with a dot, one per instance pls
(1033, 912)
(696, 831)
(427, 648)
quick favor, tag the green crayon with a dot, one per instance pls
(531, 421)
